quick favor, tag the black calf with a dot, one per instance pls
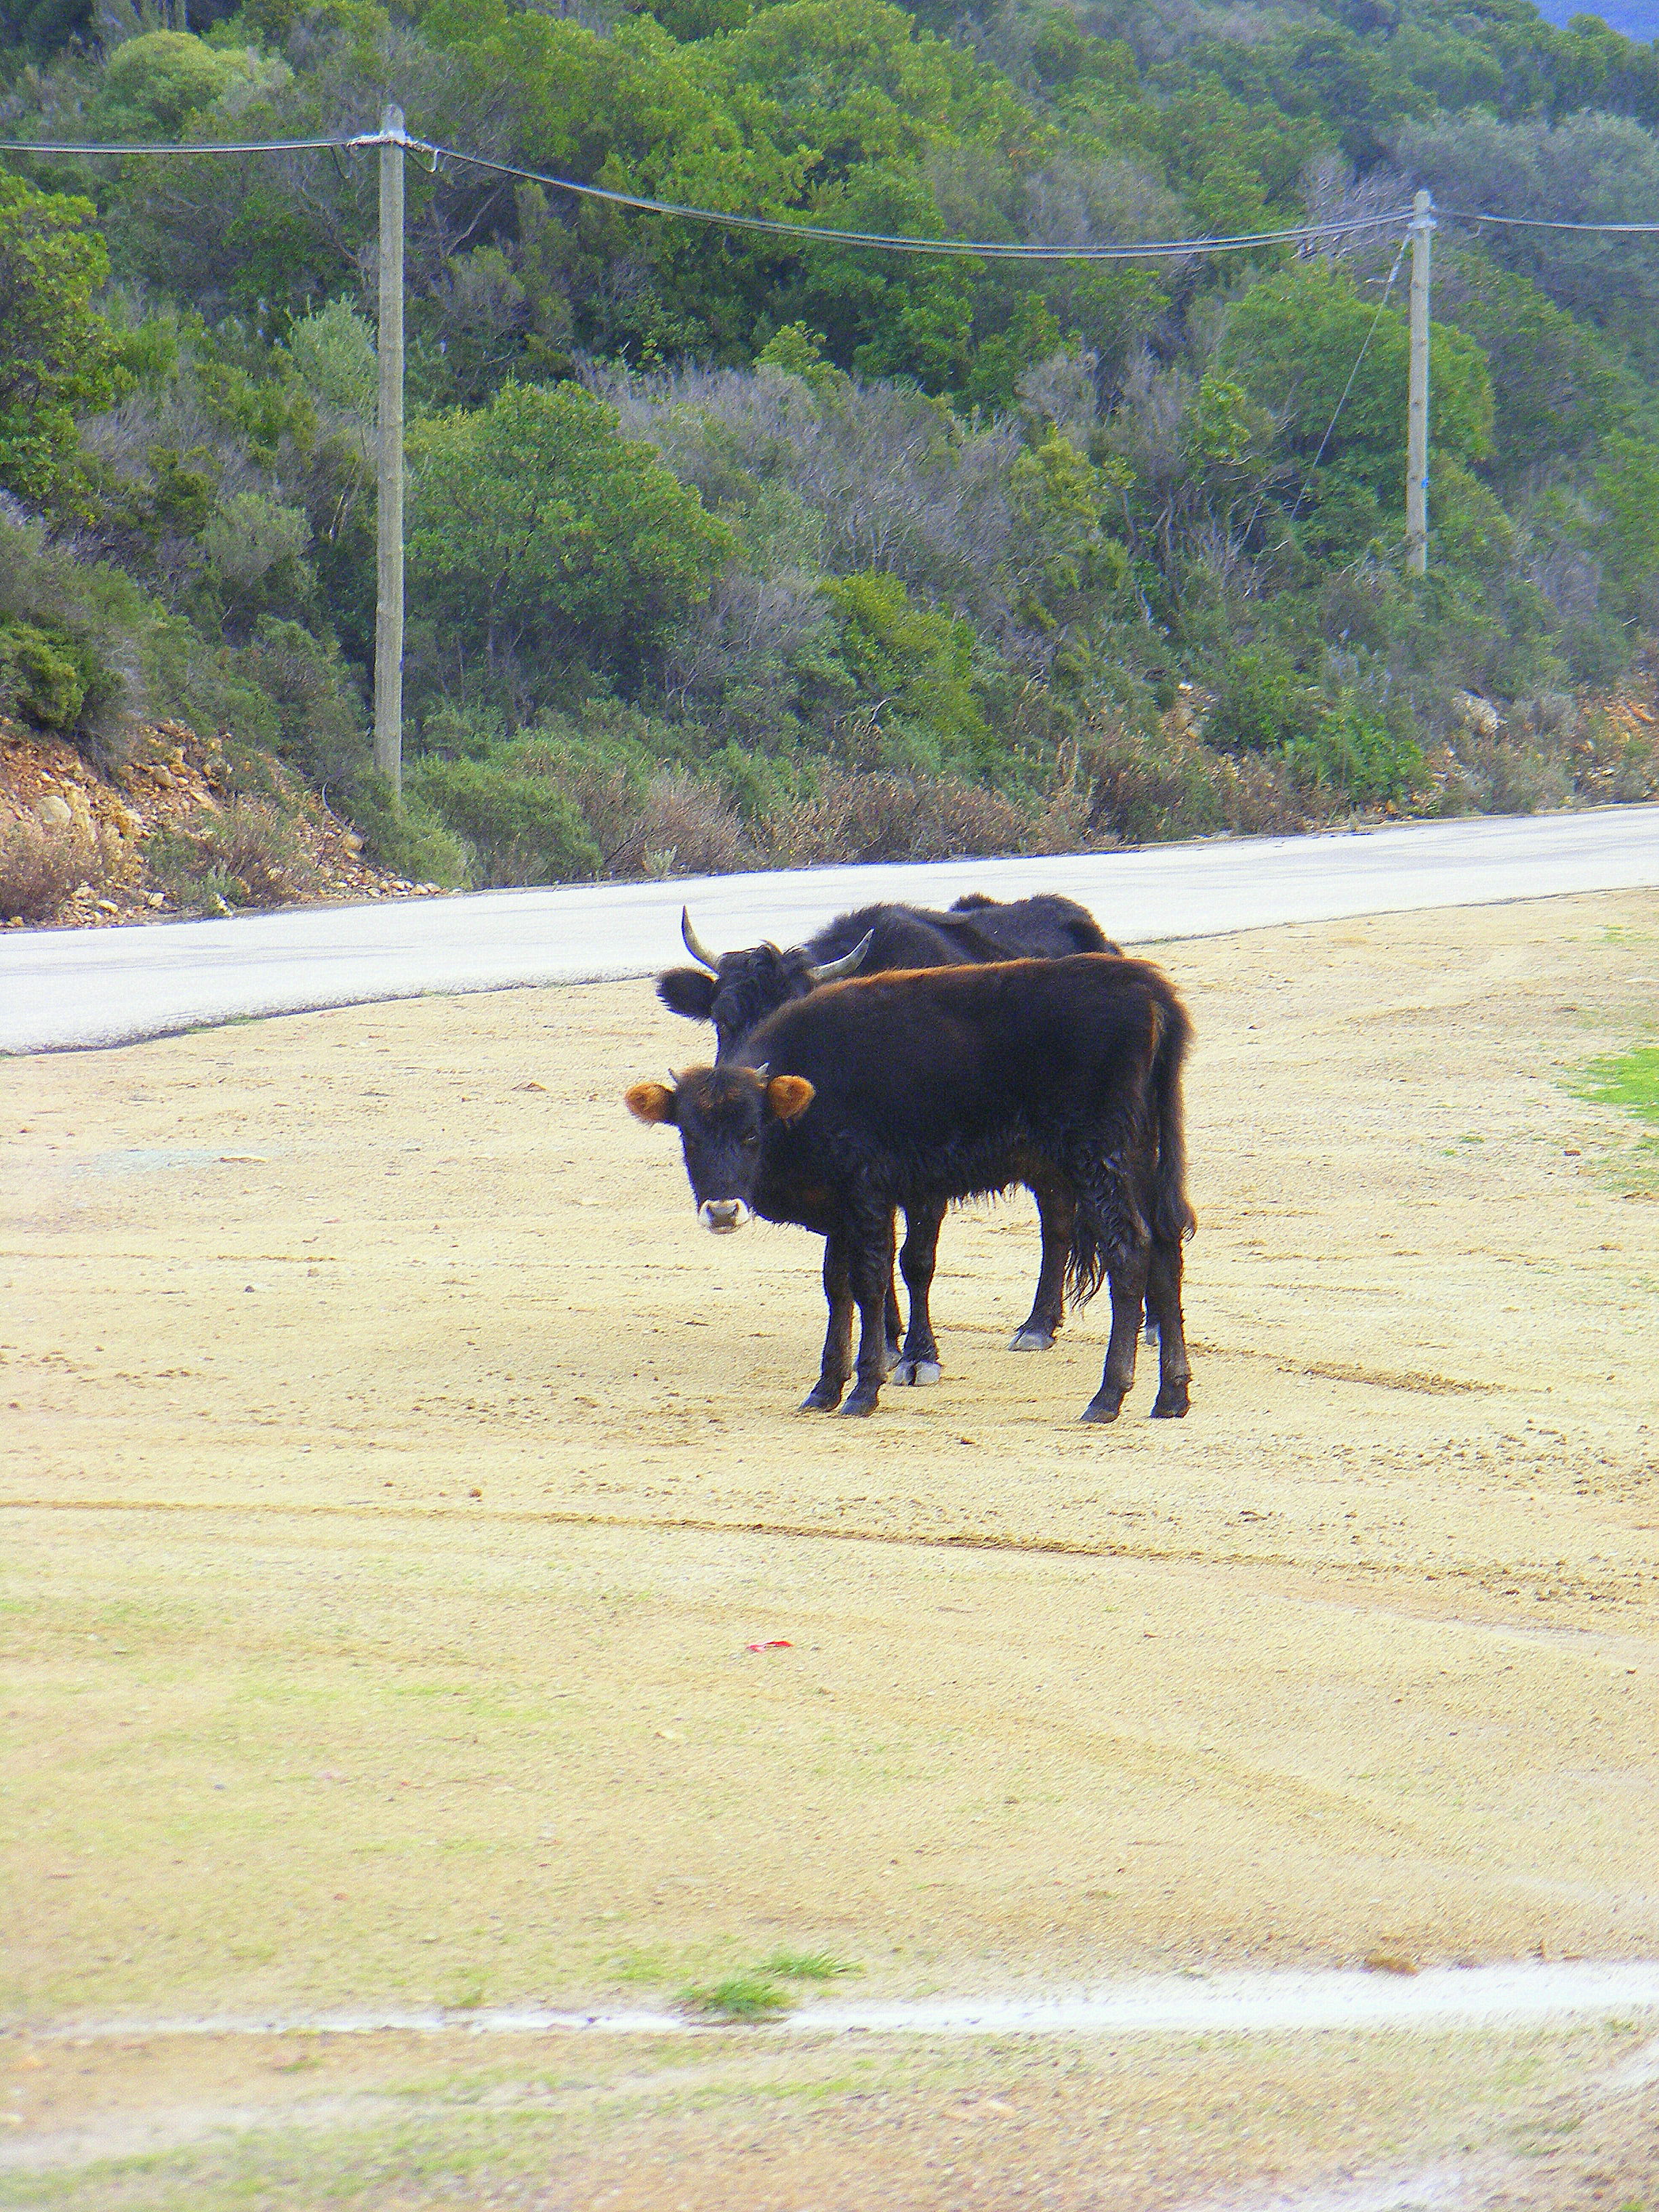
(915, 1089)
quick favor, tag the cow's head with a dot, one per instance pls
(721, 1114)
(737, 991)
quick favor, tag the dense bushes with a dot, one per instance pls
(723, 552)
(67, 663)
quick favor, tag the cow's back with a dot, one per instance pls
(1045, 927)
(977, 931)
(900, 937)
(906, 1063)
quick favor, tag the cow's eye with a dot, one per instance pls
(750, 1143)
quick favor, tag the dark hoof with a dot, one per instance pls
(1170, 1403)
(1105, 1408)
(859, 1406)
(918, 1373)
(821, 1399)
(1033, 1340)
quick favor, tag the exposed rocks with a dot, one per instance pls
(172, 778)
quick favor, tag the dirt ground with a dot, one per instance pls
(381, 1566)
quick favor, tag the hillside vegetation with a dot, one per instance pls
(725, 550)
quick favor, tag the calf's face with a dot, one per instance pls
(722, 1113)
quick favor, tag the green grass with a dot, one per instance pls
(808, 1967)
(1630, 1080)
(739, 1996)
(756, 1992)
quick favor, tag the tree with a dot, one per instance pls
(1558, 389)
(153, 82)
(1593, 168)
(540, 535)
(1291, 344)
(57, 356)
(1627, 486)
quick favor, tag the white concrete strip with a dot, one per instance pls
(1241, 2003)
(64, 988)
(1432, 2189)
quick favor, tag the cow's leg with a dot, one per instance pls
(918, 1362)
(895, 1311)
(1110, 1224)
(1127, 1277)
(871, 1263)
(1056, 1211)
(825, 1395)
(1164, 1306)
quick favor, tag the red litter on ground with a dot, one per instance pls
(777, 1643)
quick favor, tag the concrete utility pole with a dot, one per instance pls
(1416, 411)
(389, 559)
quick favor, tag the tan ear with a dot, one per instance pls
(789, 1095)
(650, 1101)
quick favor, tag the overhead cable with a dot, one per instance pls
(804, 232)
(245, 146)
(977, 249)
(1543, 222)
(983, 249)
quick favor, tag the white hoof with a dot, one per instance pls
(917, 1372)
(1032, 1340)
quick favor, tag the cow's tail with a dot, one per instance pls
(1173, 1219)
(1096, 1239)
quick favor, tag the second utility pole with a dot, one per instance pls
(1417, 405)
(389, 533)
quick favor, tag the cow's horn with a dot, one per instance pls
(708, 959)
(846, 964)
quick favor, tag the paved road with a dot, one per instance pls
(64, 988)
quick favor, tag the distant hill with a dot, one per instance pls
(1637, 18)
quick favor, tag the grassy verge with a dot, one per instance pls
(1630, 1080)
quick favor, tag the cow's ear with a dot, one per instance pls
(688, 991)
(789, 1095)
(650, 1101)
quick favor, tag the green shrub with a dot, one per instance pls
(896, 687)
(409, 840)
(1351, 750)
(523, 829)
(317, 722)
(65, 665)
(38, 678)
(1144, 789)
(1261, 702)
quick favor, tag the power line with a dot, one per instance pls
(1542, 223)
(978, 249)
(245, 146)
(801, 233)
(985, 249)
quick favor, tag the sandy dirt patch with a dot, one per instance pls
(395, 1478)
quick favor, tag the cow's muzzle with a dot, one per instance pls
(723, 1215)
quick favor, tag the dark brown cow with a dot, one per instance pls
(918, 1088)
(737, 991)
